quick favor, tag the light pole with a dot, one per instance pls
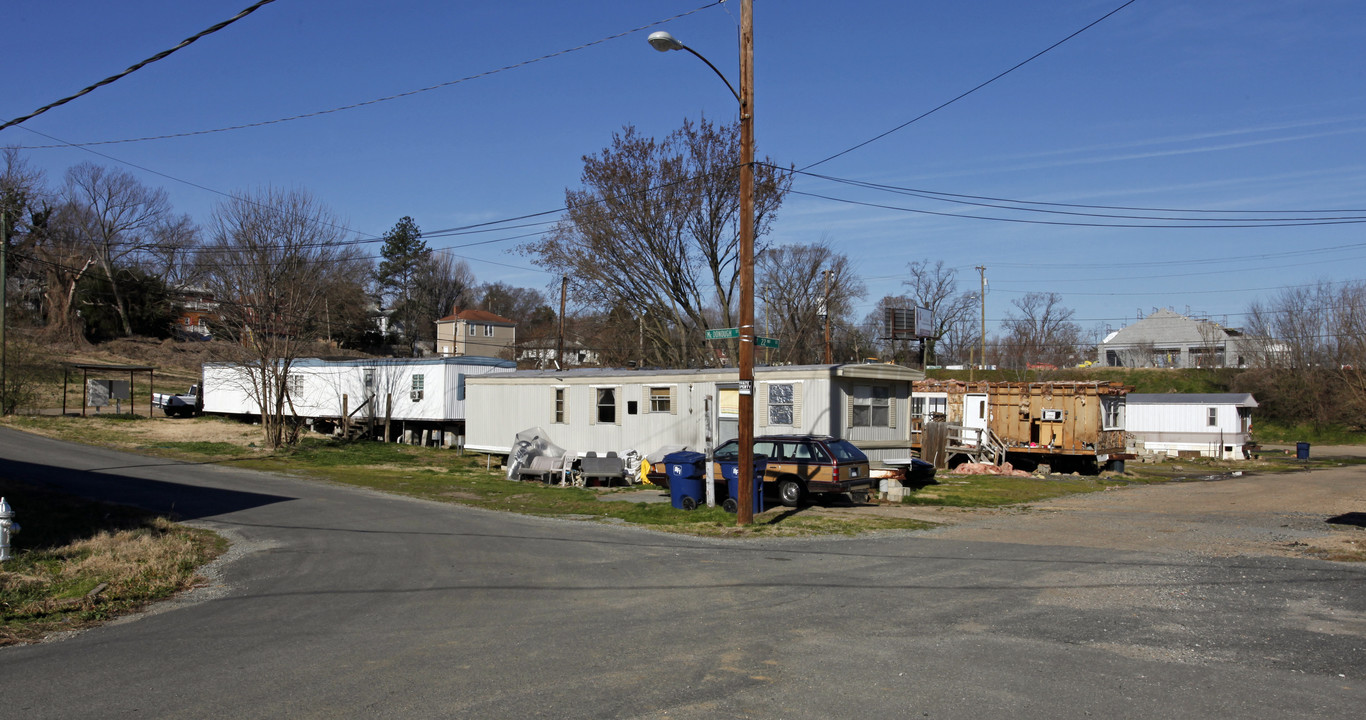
(664, 42)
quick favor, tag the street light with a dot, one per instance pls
(664, 42)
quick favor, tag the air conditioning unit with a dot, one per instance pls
(415, 395)
(1052, 415)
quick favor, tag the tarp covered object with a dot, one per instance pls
(530, 443)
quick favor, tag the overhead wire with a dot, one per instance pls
(998, 76)
(138, 66)
(375, 101)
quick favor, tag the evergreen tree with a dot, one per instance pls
(405, 254)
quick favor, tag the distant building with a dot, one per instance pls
(1166, 339)
(195, 307)
(542, 353)
(478, 333)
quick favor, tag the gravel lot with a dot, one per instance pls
(1281, 514)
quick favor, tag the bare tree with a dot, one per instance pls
(654, 230)
(119, 218)
(271, 259)
(1311, 343)
(1040, 330)
(794, 299)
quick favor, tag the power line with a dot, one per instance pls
(1155, 214)
(375, 101)
(138, 66)
(934, 110)
(1159, 224)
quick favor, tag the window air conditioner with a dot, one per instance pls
(415, 395)
(1052, 415)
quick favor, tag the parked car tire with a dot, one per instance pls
(791, 492)
(858, 497)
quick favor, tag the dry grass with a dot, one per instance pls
(79, 563)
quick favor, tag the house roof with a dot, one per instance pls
(1238, 399)
(477, 316)
(855, 370)
(1166, 327)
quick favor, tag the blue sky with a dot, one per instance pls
(1238, 106)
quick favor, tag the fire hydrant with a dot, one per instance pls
(7, 528)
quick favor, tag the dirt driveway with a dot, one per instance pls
(1270, 514)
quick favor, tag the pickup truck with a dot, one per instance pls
(179, 405)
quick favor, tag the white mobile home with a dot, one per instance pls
(619, 410)
(1215, 425)
(419, 390)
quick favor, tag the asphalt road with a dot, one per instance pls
(337, 602)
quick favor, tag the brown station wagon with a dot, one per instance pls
(799, 465)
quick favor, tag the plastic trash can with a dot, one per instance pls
(1302, 451)
(730, 471)
(685, 471)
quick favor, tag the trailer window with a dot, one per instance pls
(1112, 413)
(780, 404)
(872, 406)
(607, 405)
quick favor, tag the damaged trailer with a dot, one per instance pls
(1067, 425)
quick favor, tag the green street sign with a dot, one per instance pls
(764, 342)
(723, 333)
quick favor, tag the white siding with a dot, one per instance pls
(318, 388)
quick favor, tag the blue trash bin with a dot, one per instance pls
(730, 471)
(685, 470)
(1302, 451)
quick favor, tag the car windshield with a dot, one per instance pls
(844, 451)
(729, 451)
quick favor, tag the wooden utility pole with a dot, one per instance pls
(745, 483)
(982, 270)
(559, 343)
(829, 355)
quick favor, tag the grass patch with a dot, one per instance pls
(1281, 434)
(78, 563)
(998, 490)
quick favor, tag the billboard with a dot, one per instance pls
(906, 324)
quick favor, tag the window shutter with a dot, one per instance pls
(891, 409)
(619, 404)
(849, 409)
(761, 404)
(797, 404)
(673, 399)
(593, 406)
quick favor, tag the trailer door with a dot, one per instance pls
(974, 416)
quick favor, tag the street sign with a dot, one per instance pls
(723, 333)
(764, 342)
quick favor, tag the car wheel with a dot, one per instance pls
(790, 492)
(859, 497)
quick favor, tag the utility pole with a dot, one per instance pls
(745, 483)
(4, 309)
(559, 343)
(982, 270)
(829, 357)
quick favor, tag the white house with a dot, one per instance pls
(428, 392)
(1166, 339)
(618, 410)
(1215, 425)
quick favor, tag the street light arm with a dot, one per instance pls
(718, 73)
(664, 42)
